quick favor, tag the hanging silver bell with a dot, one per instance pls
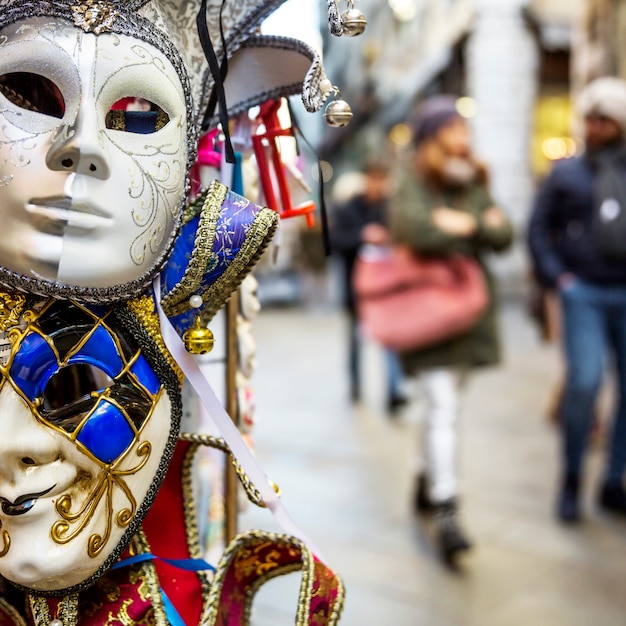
(353, 22)
(338, 113)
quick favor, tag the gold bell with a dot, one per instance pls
(353, 22)
(338, 113)
(198, 340)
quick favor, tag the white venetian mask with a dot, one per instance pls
(89, 193)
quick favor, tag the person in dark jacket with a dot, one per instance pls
(352, 221)
(592, 292)
(443, 207)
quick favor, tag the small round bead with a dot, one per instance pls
(325, 86)
(195, 302)
(56, 622)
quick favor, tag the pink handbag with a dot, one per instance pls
(407, 302)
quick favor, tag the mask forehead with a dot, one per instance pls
(89, 427)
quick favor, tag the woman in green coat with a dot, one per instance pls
(443, 207)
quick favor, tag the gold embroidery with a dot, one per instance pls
(123, 617)
(215, 295)
(209, 205)
(116, 119)
(258, 238)
(11, 307)
(151, 580)
(95, 16)
(161, 120)
(193, 540)
(67, 610)
(248, 561)
(143, 308)
(254, 495)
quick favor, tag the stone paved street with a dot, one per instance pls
(346, 476)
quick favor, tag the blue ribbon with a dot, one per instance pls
(190, 565)
(170, 611)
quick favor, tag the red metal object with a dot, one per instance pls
(282, 203)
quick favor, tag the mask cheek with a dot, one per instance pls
(151, 172)
(21, 151)
(154, 164)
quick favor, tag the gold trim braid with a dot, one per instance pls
(144, 310)
(259, 237)
(67, 611)
(214, 296)
(209, 205)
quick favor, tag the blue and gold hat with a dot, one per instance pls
(222, 237)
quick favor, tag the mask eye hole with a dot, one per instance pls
(33, 93)
(71, 393)
(136, 115)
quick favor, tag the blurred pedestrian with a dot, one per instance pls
(443, 207)
(567, 250)
(354, 221)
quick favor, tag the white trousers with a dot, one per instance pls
(439, 432)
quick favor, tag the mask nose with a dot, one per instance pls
(78, 150)
(26, 446)
(17, 464)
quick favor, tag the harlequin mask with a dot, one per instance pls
(90, 409)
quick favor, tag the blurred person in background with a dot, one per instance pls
(356, 220)
(443, 207)
(592, 290)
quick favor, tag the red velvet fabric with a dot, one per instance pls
(164, 527)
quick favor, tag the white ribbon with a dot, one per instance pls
(225, 425)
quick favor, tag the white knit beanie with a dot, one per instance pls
(605, 96)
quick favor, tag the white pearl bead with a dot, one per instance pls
(195, 302)
(325, 86)
(56, 622)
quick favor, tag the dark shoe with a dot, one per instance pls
(568, 507)
(613, 498)
(451, 539)
(422, 501)
(395, 403)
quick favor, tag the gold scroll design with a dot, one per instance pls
(73, 523)
(6, 541)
